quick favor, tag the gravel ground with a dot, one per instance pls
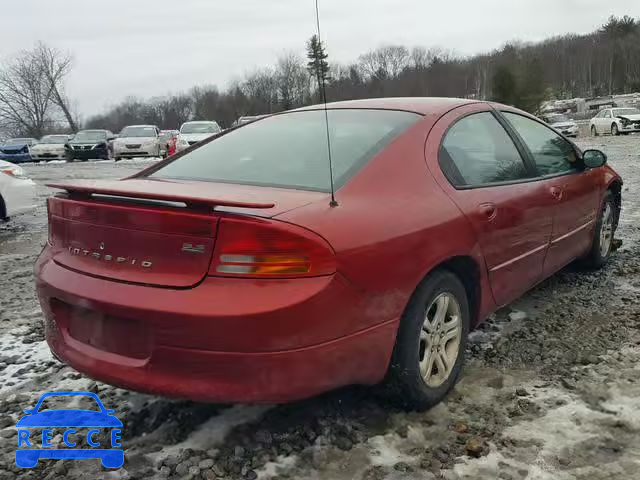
(550, 390)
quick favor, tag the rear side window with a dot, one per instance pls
(478, 151)
(290, 150)
(552, 154)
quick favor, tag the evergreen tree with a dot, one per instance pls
(532, 91)
(505, 88)
(318, 66)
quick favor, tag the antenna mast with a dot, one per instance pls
(323, 89)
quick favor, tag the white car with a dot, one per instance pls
(194, 132)
(137, 141)
(563, 124)
(51, 147)
(616, 121)
(17, 191)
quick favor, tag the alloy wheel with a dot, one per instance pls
(440, 339)
(606, 230)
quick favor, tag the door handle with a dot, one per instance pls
(488, 210)
(556, 192)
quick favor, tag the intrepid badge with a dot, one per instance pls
(105, 257)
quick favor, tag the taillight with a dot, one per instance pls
(260, 248)
(49, 226)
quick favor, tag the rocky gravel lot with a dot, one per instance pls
(551, 389)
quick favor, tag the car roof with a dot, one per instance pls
(137, 126)
(422, 105)
(200, 121)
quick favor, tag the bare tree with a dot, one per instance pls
(294, 82)
(55, 66)
(25, 97)
(385, 62)
(31, 91)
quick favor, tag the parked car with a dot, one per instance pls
(17, 150)
(51, 147)
(616, 121)
(91, 144)
(563, 124)
(259, 287)
(194, 132)
(168, 139)
(247, 119)
(17, 191)
(137, 141)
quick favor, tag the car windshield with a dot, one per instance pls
(558, 119)
(290, 150)
(88, 136)
(208, 127)
(626, 111)
(130, 132)
(19, 141)
(55, 139)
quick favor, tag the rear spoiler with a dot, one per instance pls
(166, 191)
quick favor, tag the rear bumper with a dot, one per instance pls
(225, 340)
(15, 158)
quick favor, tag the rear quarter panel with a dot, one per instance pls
(393, 225)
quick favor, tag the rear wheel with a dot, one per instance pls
(429, 351)
(3, 210)
(594, 132)
(603, 234)
(614, 130)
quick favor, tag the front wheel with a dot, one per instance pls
(429, 351)
(603, 234)
(594, 132)
(614, 130)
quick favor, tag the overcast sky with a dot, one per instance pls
(152, 47)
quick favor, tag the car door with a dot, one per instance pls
(604, 125)
(486, 175)
(574, 189)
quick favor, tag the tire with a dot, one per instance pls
(614, 130)
(3, 210)
(594, 132)
(603, 234)
(117, 159)
(405, 380)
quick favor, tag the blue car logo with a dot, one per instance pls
(70, 423)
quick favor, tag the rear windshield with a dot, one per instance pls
(290, 150)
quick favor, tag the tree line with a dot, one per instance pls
(604, 62)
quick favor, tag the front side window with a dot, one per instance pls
(607, 114)
(290, 150)
(552, 154)
(478, 151)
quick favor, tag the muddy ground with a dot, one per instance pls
(551, 389)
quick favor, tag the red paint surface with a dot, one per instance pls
(179, 330)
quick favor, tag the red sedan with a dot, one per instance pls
(226, 273)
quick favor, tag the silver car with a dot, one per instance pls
(51, 147)
(137, 141)
(615, 121)
(196, 131)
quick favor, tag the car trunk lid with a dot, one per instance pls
(159, 233)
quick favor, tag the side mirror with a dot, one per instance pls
(594, 158)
